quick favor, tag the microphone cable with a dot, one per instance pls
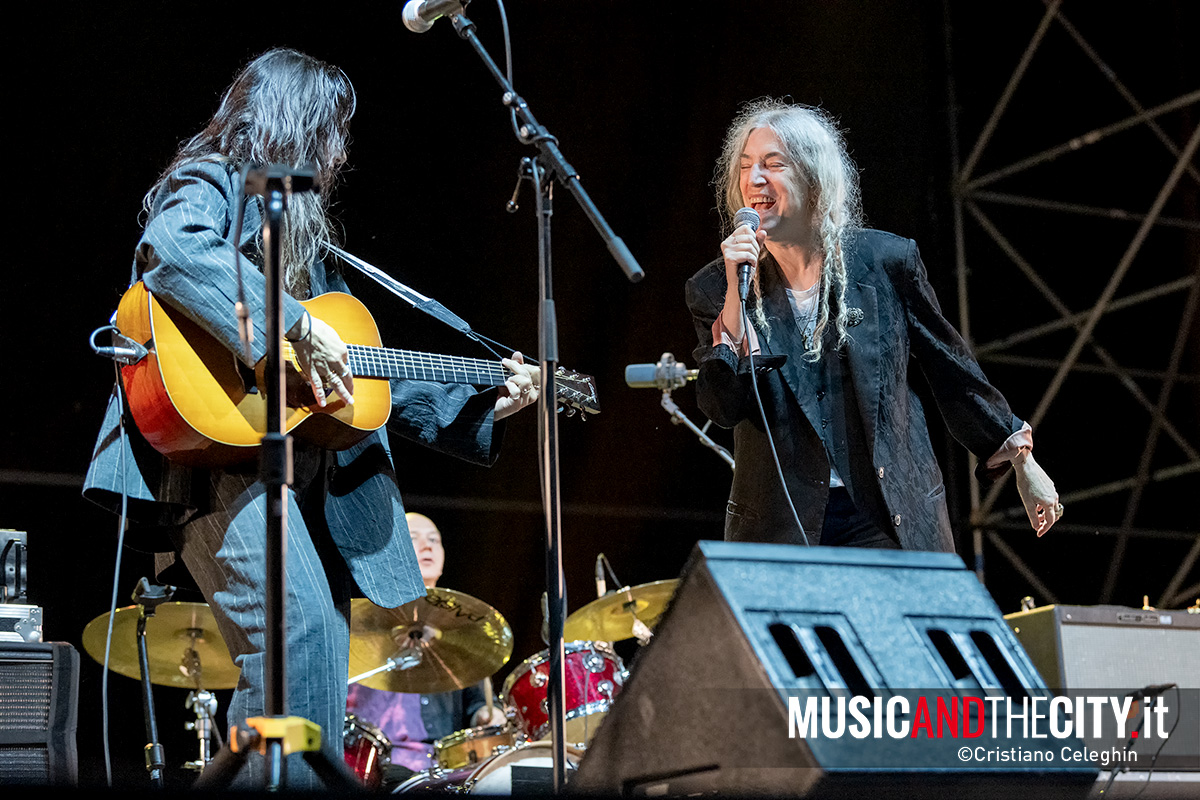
(767, 425)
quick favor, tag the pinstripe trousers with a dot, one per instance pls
(225, 552)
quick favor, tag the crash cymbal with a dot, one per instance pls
(623, 614)
(183, 646)
(443, 641)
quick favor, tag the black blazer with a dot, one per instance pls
(895, 475)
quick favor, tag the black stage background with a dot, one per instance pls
(638, 96)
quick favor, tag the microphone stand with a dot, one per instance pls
(542, 170)
(678, 418)
(149, 597)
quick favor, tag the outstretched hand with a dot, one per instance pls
(1038, 495)
(520, 389)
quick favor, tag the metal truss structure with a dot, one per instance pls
(1066, 341)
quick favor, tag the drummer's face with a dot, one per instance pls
(427, 542)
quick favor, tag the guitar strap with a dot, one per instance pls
(414, 298)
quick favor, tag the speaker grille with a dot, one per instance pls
(1099, 656)
(39, 687)
(25, 695)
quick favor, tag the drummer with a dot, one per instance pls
(412, 722)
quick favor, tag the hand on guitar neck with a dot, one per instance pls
(324, 361)
(520, 389)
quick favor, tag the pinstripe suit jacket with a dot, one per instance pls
(185, 258)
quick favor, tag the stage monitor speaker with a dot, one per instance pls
(39, 713)
(705, 709)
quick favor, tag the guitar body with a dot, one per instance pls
(195, 402)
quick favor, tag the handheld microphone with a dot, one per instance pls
(419, 15)
(666, 374)
(745, 216)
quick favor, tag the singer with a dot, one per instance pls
(345, 519)
(848, 311)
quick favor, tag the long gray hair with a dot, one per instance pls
(284, 107)
(826, 182)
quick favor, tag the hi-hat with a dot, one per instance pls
(183, 646)
(443, 641)
(627, 613)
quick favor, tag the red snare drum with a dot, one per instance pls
(367, 751)
(593, 676)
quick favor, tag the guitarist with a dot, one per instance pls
(345, 518)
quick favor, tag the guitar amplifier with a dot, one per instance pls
(1115, 650)
(1110, 647)
(39, 713)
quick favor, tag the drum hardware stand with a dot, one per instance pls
(149, 596)
(541, 170)
(204, 703)
(391, 665)
(641, 630)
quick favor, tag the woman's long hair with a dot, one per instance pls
(826, 183)
(284, 107)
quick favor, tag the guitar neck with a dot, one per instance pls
(385, 362)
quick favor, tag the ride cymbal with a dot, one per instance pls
(183, 646)
(438, 643)
(625, 613)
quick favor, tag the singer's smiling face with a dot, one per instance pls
(766, 181)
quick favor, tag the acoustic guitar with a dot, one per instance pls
(197, 404)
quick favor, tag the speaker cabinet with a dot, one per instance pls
(1110, 647)
(705, 709)
(39, 713)
(1116, 650)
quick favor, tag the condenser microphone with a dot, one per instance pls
(745, 216)
(666, 374)
(419, 15)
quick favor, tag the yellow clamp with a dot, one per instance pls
(297, 734)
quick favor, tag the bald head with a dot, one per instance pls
(427, 543)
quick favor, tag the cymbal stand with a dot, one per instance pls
(550, 164)
(204, 704)
(148, 597)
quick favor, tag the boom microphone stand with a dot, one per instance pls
(542, 170)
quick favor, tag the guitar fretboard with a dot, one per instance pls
(384, 362)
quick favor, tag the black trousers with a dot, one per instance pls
(846, 526)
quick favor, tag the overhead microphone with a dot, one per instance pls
(419, 15)
(745, 216)
(665, 375)
(601, 585)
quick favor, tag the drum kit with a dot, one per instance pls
(442, 642)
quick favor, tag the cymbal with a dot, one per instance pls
(183, 646)
(443, 641)
(611, 618)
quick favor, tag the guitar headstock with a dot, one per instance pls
(575, 392)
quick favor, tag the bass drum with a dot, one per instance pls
(527, 769)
